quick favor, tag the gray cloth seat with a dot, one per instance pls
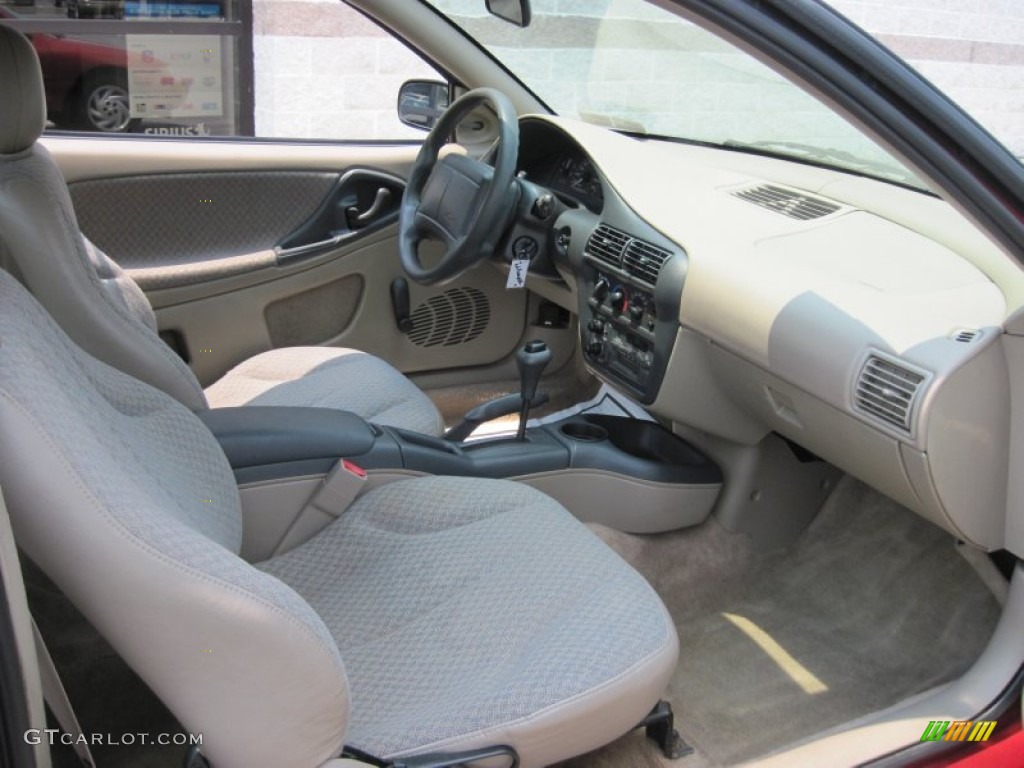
(106, 313)
(328, 377)
(437, 614)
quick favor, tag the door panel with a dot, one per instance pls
(184, 228)
(224, 329)
(222, 289)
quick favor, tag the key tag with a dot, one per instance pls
(517, 273)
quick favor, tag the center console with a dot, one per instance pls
(629, 283)
(630, 474)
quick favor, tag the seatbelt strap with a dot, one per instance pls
(57, 699)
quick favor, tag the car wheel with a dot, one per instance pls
(104, 104)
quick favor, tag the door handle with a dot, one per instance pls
(357, 218)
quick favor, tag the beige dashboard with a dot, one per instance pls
(859, 319)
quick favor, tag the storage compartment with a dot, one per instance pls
(631, 475)
(584, 430)
(649, 440)
(636, 448)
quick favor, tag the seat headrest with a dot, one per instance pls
(23, 115)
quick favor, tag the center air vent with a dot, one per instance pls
(636, 257)
(788, 202)
(644, 261)
(887, 391)
(607, 244)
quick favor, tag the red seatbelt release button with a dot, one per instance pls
(355, 469)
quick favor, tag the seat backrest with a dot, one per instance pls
(123, 497)
(93, 300)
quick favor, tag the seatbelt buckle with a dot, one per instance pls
(339, 488)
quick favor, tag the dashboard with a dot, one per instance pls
(572, 176)
(741, 295)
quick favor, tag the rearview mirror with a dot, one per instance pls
(513, 11)
(422, 102)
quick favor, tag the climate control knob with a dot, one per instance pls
(617, 298)
(636, 313)
(600, 290)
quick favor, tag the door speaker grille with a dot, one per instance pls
(448, 319)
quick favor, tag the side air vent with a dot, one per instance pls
(965, 335)
(607, 244)
(644, 261)
(796, 205)
(451, 318)
(886, 391)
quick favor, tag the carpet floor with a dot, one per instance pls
(870, 606)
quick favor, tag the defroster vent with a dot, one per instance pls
(788, 202)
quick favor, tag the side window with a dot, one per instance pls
(264, 68)
(324, 71)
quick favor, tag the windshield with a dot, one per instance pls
(634, 67)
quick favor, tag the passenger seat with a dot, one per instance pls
(438, 614)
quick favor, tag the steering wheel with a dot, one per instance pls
(461, 202)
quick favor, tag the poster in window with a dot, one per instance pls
(172, 76)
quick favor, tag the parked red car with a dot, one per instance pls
(86, 82)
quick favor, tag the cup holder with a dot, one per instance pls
(584, 431)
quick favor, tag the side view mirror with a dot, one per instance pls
(513, 11)
(422, 102)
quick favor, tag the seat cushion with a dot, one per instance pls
(478, 612)
(328, 377)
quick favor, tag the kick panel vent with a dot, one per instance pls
(887, 391)
(448, 319)
(607, 244)
(644, 261)
(788, 202)
(637, 257)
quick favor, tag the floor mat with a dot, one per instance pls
(872, 605)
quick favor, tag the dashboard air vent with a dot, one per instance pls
(796, 205)
(607, 244)
(965, 335)
(644, 261)
(886, 391)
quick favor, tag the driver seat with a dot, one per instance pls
(102, 309)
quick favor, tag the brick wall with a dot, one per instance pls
(971, 49)
(323, 71)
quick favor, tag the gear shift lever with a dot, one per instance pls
(532, 359)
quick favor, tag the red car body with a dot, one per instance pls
(66, 62)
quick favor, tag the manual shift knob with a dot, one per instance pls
(532, 359)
